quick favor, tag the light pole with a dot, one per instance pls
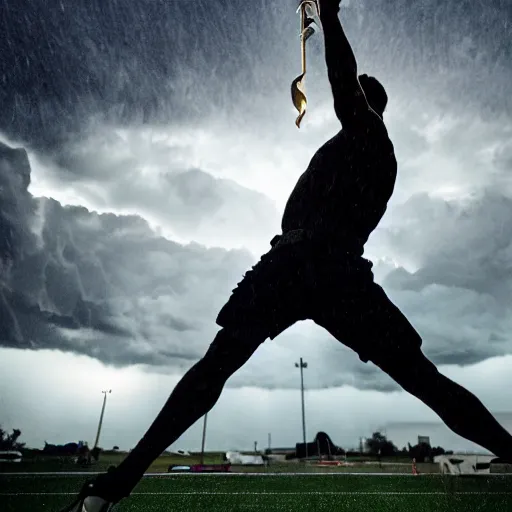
(204, 439)
(303, 365)
(101, 416)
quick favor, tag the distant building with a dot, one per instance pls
(279, 451)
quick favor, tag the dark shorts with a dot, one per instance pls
(302, 281)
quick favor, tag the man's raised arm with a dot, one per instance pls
(350, 102)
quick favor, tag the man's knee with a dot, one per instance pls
(410, 368)
(232, 348)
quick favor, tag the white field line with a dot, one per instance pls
(276, 493)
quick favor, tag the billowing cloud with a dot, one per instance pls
(104, 285)
(152, 173)
(458, 284)
(108, 286)
(16, 205)
(174, 120)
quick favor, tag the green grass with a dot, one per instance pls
(43, 463)
(239, 493)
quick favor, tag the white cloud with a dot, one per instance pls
(155, 174)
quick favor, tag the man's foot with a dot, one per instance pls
(91, 504)
(98, 495)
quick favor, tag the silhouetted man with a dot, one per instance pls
(315, 270)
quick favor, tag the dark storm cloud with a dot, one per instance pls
(130, 61)
(16, 205)
(102, 285)
(459, 296)
(462, 244)
(148, 60)
(109, 287)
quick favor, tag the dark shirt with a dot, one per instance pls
(345, 190)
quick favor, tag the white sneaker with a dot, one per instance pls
(88, 502)
(93, 504)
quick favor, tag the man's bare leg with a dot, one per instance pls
(460, 410)
(195, 394)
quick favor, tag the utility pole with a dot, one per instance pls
(303, 365)
(204, 438)
(101, 417)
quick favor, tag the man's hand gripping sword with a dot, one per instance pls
(308, 11)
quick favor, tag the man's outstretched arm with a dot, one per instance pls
(350, 102)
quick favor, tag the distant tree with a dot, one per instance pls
(378, 444)
(374, 443)
(9, 442)
(437, 450)
(423, 452)
(116, 448)
(420, 452)
(61, 449)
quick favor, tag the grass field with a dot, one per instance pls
(161, 464)
(280, 492)
(54, 464)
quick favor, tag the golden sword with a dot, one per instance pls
(308, 9)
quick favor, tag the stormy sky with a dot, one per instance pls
(147, 150)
